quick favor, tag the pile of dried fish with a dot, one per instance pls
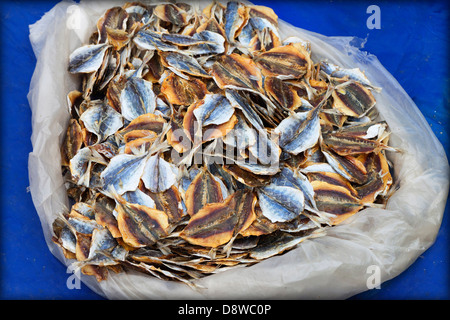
(202, 141)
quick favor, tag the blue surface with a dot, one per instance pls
(412, 44)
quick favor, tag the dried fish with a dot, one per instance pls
(73, 141)
(217, 223)
(201, 141)
(137, 98)
(140, 226)
(281, 203)
(102, 120)
(202, 190)
(180, 91)
(299, 132)
(286, 61)
(87, 59)
(159, 175)
(182, 63)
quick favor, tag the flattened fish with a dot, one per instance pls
(124, 172)
(213, 42)
(280, 203)
(114, 19)
(246, 177)
(353, 99)
(235, 16)
(379, 178)
(140, 226)
(73, 141)
(169, 201)
(336, 200)
(217, 223)
(137, 98)
(179, 62)
(278, 243)
(299, 132)
(88, 58)
(104, 208)
(149, 121)
(180, 91)
(285, 61)
(214, 109)
(345, 145)
(102, 120)
(282, 93)
(159, 175)
(171, 13)
(348, 167)
(237, 72)
(203, 189)
(151, 40)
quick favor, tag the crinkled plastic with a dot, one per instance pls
(335, 266)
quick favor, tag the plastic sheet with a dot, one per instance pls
(332, 267)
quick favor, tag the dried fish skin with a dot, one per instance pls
(347, 166)
(87, 59)
(140, 226)
(169, 201)
(236, 71)
(214, 109)
(286, 61)
(280, 203)
(124, 172)
(336, 200)
(159, 175)
(114, 19)
(235, 16)
(171, 13)
(204, 189)
(180, 91)
(353, 99)
(277, 244)
(280, 91)
(137, 98)
(102, 120)
(214, 43)
(299, 132)
(217, 223)
(73, 140)
(148, 121)
(183, 63)
(151, 40)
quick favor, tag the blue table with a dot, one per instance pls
(411, 44)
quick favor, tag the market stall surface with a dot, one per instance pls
(411, 43)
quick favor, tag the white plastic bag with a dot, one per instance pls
(330, 267)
